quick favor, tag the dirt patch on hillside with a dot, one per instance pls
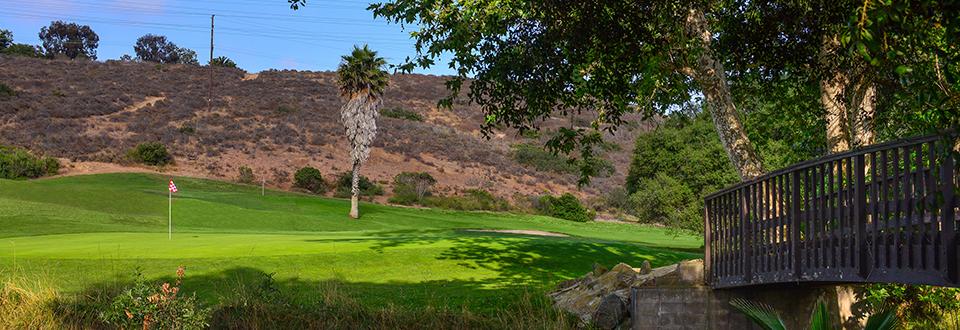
(519, 232)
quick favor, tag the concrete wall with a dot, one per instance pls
(699, 307)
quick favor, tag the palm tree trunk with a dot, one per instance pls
(355, 190)
(709, 74)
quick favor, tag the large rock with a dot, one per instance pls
(601, 298)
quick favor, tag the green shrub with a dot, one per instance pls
(400, 113)
(919, 306)
(150, 153)
(310, 179)
(665, 200)
(471, 200)
(22, 50)
(411, 187)
(284, 109)
(246, 175)
(155, 306)
(17, 163)
(567, 206)
(542, 160)
(367, 188)
(6, 91)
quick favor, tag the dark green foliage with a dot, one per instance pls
(921, 306)
(401, 113)
(17, 163)
(767, 318)
(367, 188)
(22, 50)
(150, 153)
(223, 61)
(664, 200)
(156, 48)
(567, 206)
(673, 168)
(6, 38)
(542, 160)
(535, 156)
(310, 179)
(69, 39)
(471, 200)
(245, 175)
(687, 149)
(6, 91)
(187, 129)
(411, 187)
(284, 109)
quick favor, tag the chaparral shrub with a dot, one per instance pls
(400, 113)
(367, 188)
(6, 91)
(471, 200)
(151, 153)
(411, 187)
(17, 163)
(310, 179)
(567, 206)
(245, 175)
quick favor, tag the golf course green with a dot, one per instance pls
(82, 232)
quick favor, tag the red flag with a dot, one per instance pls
(173, 187)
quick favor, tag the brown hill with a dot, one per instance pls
(273, 122)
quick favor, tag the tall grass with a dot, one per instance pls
(263, 305)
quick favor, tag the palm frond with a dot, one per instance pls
(761, 314)
(882, 320)
(820, 320)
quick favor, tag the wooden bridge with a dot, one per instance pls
(885, 213)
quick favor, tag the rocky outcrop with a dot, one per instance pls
(602, 297)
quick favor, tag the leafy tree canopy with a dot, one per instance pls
(69, 39)
(223, 61)
(6, 38)
(156, 48)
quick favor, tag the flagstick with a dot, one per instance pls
(170, 215)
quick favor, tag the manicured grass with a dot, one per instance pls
(86, 232)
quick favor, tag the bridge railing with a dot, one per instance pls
(884, 213)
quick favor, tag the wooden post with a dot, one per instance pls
(948, 216)
(795, 224)
(745, 236)
(707, 258)
(860, 216)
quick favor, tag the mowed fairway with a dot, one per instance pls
(83, 232)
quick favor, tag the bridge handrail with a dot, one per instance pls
(866, 215)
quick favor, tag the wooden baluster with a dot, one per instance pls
(860, 217)
(898, 223)
(948, 216)
(795, 254)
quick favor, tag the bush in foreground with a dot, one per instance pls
(155, 306)
(310, 179)
(17, 163)
(150, 153)
(345, 184)
(567, 207)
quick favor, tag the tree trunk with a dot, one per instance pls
(355, 192)
(832, 90)
(709, 74)
(865, 103)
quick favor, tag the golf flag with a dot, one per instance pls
(172, 188)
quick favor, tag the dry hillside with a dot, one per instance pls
(273, 122)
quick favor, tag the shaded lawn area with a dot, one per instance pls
(80, 233)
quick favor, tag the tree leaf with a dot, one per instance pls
(761, 314)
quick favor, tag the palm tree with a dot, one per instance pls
(362, 81)
(767, 318)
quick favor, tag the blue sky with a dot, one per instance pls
(257, 34)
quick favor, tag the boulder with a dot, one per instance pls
(610, 313)
(602, 297)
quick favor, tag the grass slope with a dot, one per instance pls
(84, 232)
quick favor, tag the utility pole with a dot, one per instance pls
(210, 67)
